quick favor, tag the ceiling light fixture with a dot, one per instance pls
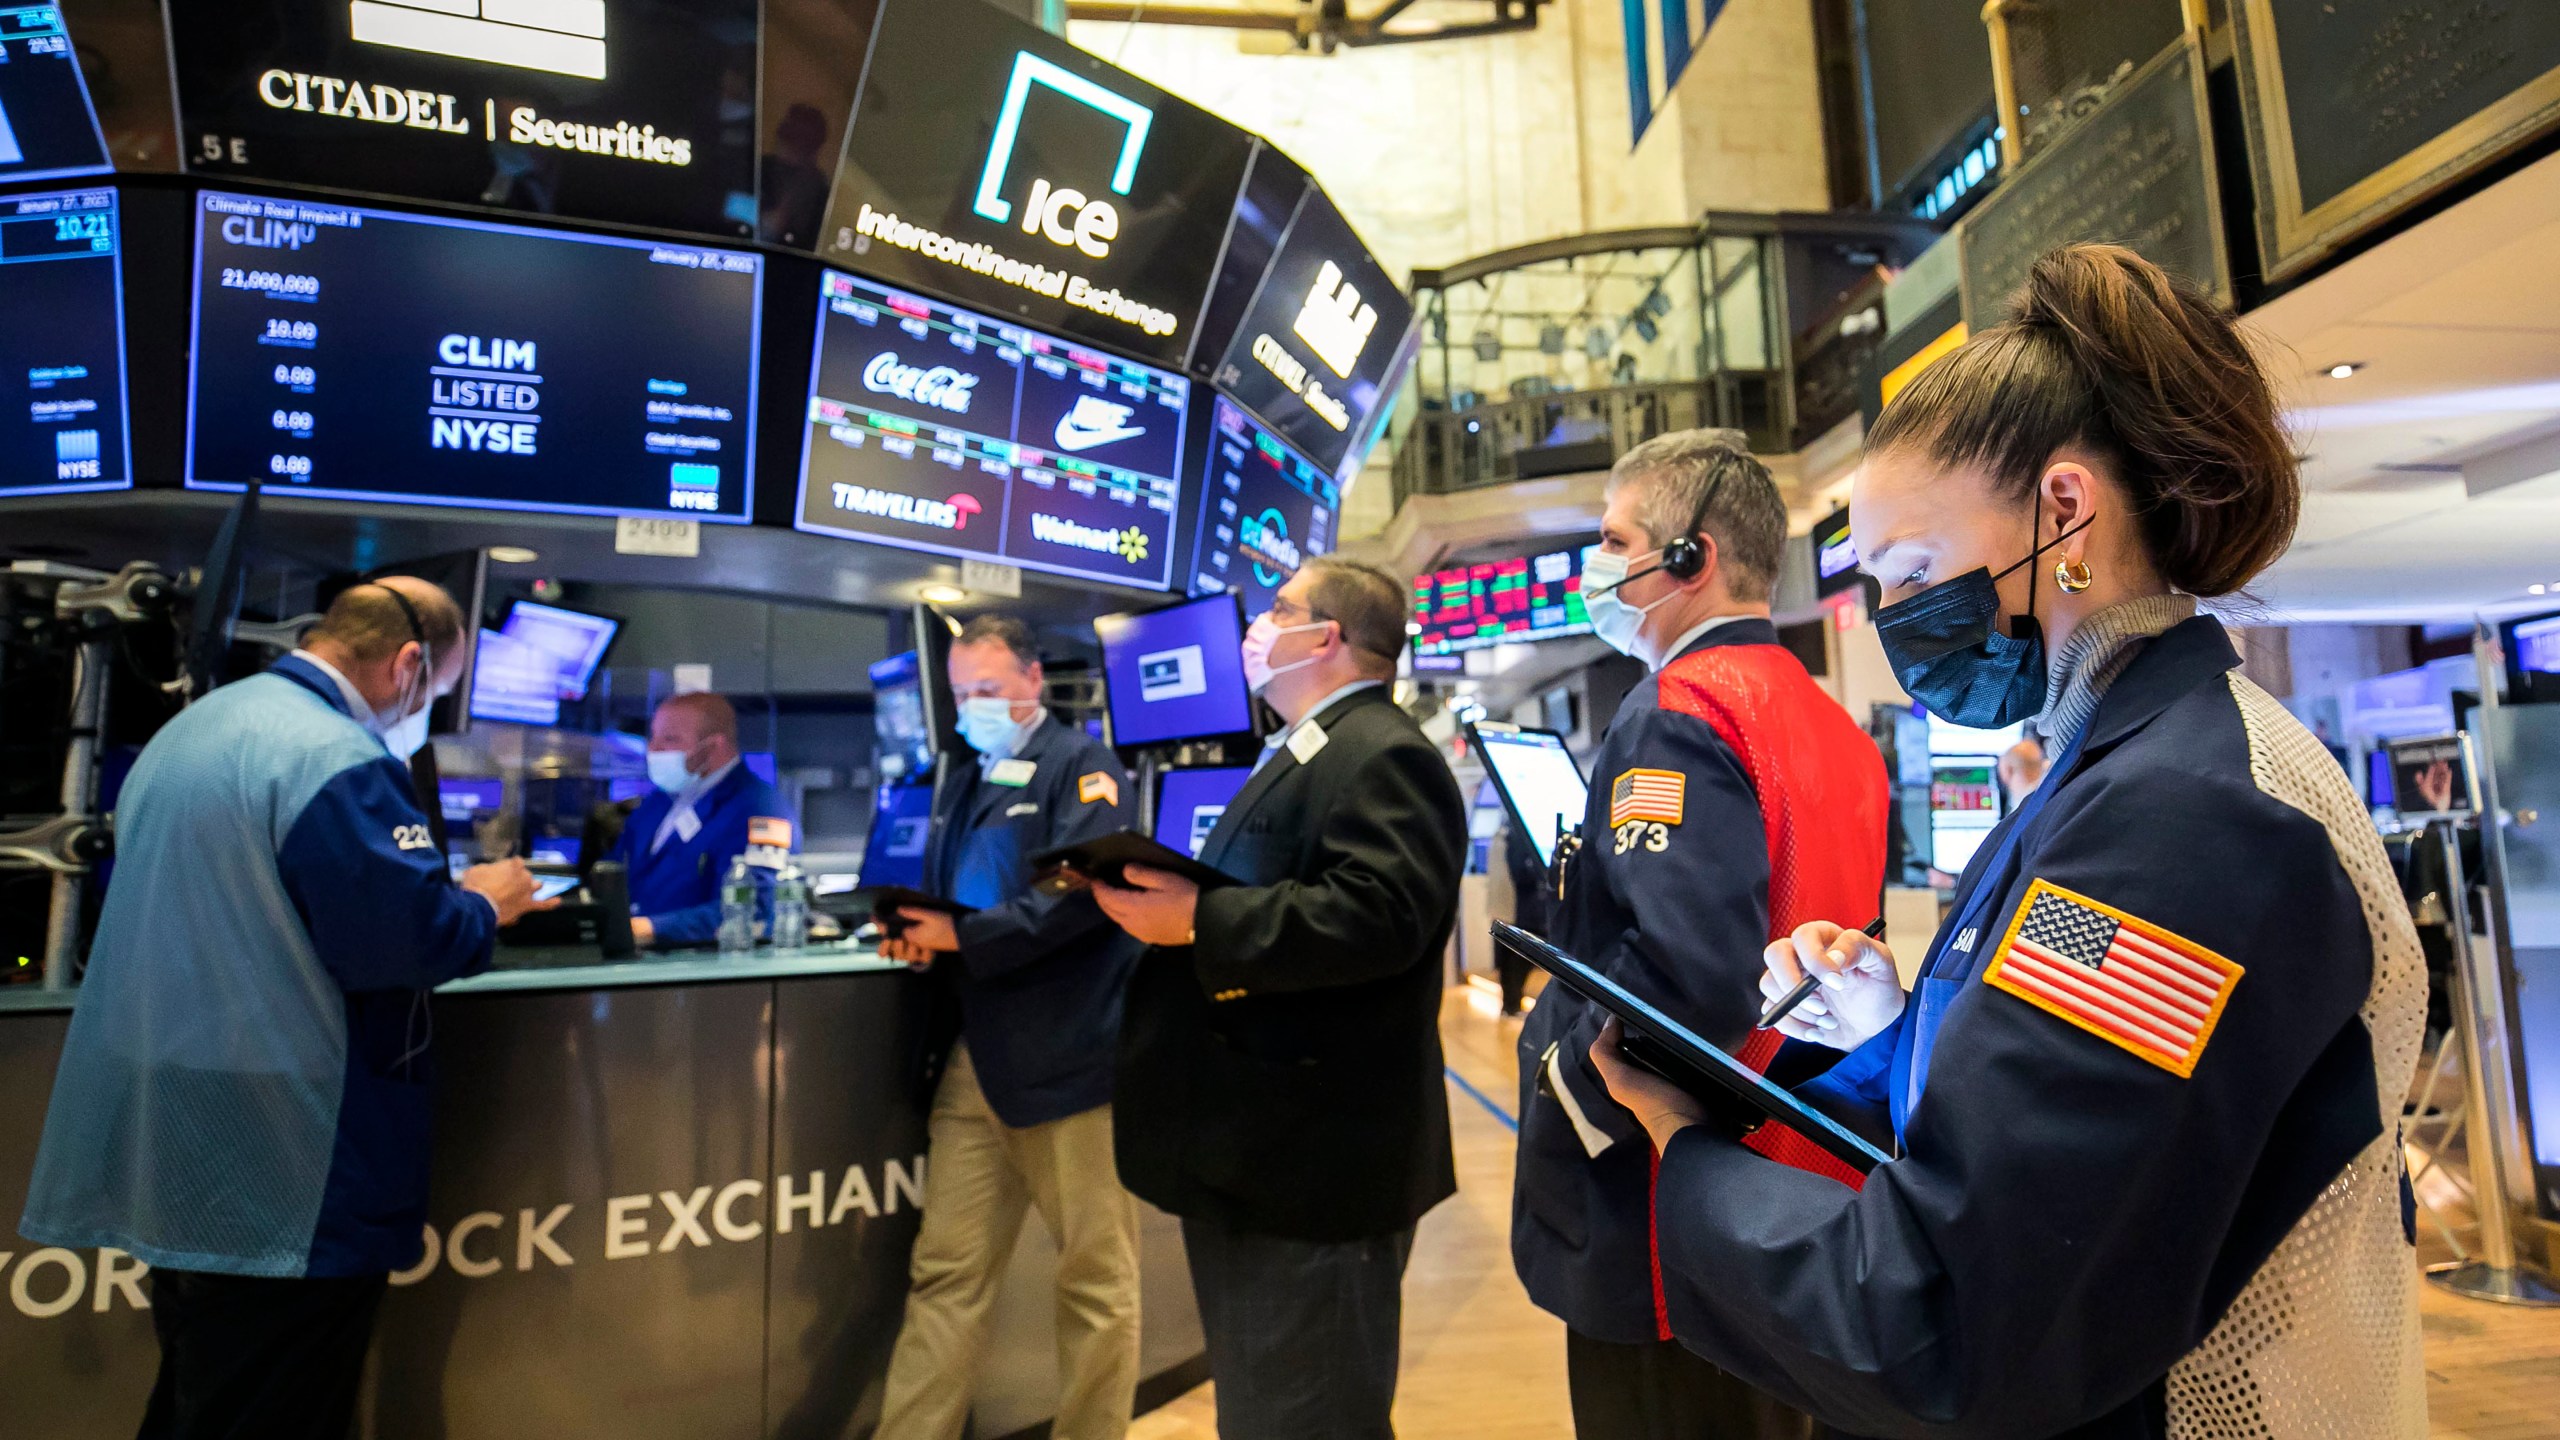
(943, 594)
(2537, 589)
(513, 555)
(2345, 368)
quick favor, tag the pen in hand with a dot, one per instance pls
(1805, 987)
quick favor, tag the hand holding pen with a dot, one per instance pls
(1835, 986)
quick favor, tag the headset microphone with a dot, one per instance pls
(1683, 558)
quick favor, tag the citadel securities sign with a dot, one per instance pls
(599, 109)
(1317, 353)
(999, 165)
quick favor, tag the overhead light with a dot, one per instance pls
(2345, 368)
(943, 594)
(1412, 629)
(1488, 346)
(2537, 589)
(513, 555)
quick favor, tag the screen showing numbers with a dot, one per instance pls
(62, 403)
(47, 126)
(375, 355)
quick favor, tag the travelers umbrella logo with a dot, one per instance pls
(565, 37)
(951, 514)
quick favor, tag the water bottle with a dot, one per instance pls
(738, 909)
(790, 907)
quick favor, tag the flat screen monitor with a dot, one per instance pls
(467, 802)
(641, 114)
(901, 822)
(377, 355)
(1516, 599)
(2377, 777)
(1316, 352)
(940, 429)
(1176, 673)
(904, 743)
(1964, 803)
(997, 164)
(1264, 508)
(1189, 801)
(62, 396)
(1835, 555)
(48, 128)
(2432, 775)
(576, 639)
(514, 680)
(1540, 782)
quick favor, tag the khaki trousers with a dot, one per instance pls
(983, 1175)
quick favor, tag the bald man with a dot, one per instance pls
(2022, 770)
(705, 810)
(246, 1093)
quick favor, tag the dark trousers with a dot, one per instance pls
(246, 1357)
(1303, 1336)
(1659, 1391)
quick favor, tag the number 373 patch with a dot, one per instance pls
(1644, 805)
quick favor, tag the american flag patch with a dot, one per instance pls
(2124, 980)
(1097, 786)
(1648, 795)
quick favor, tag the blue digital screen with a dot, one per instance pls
(48, 128)
(465, 802)
(514, 680)
(1264, 508)
(576, 639)
(1189, 802)
(62, 397)
(1175, 673)
(375, 355)
(901, 822)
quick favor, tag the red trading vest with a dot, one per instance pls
(1822, 791)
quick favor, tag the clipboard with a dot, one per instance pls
(1107, 859)
(1736, 1096)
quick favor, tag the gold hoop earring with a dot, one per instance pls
(2073, 576)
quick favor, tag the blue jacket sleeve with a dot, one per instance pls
(372, 889)
(700, 924)
(1689, 901)
(2070, 1219)
(1030, 927)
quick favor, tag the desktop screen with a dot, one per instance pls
(574, 638)
(1539, 779)
(1175, 673)
(62, 392)
(900, 824)
(1189, 802)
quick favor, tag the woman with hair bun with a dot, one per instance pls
(2146, 1092)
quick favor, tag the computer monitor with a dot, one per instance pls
(1190, 800)
(1964, 805)
(577, 638)
(2377, 777)
(1176, 673)
(1541, 785)
(901, 822)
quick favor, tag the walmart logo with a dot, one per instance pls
(1129, 544)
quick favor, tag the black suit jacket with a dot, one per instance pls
(1282, 1075)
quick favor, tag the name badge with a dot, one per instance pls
(1307, 741)
(1016, 773)
(688, 825)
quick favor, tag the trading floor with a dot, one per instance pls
(1482, 1363)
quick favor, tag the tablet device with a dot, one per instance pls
(1536, 776)
(1108, 857)
(1735, 1094)
(552, 887)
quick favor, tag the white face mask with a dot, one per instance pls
(1259, 637)
(987, 723)
(404, 729)
(1616, 622)
(667, 770)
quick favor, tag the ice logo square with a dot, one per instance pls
(565, 37)
(1172, 674)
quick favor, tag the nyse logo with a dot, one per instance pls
(565, 37)
(1061, 214)
(940, 387)
(1334, 323)
(1095, 421)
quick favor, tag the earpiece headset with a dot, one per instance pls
(1683, 558)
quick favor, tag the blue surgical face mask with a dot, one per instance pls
(667, 770)
(1946, 647)
(987, 723)
(1616, 622)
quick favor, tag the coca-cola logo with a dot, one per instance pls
(939, 386)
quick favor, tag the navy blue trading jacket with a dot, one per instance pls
(248, 1082)
(678, 886)
(2079, 1239)
(1039, 977)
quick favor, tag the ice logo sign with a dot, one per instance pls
(1095, 421)
(939, 387)
(1334, 323)
(565, 37)
(1061, 214)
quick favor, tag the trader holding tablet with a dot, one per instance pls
(1021, 1114)
(1732, 800)
(1280, 1083)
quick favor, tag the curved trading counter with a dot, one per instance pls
(671, 1197)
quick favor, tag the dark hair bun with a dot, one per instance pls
(2108, 352)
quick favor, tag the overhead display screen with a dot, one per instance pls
(642, 113)
(1537, 596)
(1264, 509)
(939, 429)
(1175, 673)
(62, 404)
(372, 355)
(1318, 346)
(999, 165)
(48, 127)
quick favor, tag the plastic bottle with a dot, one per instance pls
(790, 907)
(738, 909)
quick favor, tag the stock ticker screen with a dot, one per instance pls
(1263, 509)
(1520, 598)
(62, 401)
(935, 428)
(47, 125)
(373, 355)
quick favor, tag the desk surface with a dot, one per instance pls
(577, 968)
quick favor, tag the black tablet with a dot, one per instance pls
(1734, 1093)
(1108, 857)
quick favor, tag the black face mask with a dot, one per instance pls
(1945, 647)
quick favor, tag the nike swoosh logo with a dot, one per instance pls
(1073, 437)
